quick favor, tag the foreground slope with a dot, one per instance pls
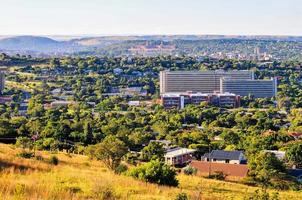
(77, 177)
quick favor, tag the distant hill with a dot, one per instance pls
(35, 43)
(118, 45)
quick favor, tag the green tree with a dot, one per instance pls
(111, 151)
(153, 151)
(265, 167)
(294, 154)
(155, 171)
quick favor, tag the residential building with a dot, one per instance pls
(256, 88)
(279, 154)
(56, 104)
(198, 81)
(220, 156)
(178, 156)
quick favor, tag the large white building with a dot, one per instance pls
(256, 88)
(198, 81)
(241, 83)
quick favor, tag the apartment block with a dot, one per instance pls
(198, 81)
(256, 88)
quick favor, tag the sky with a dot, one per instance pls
(149, 17)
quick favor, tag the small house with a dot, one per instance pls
(220, 156)
(178, 156)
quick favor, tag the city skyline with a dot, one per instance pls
(155, 17)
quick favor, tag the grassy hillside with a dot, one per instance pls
(77, 177)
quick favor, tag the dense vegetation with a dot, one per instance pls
(261, 124)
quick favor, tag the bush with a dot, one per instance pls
(121, 169)
(182, 196)
(218, 175)
(105, 193)
(155, 171)
(262, 195)
(54, 160)
(189, 170)
(26, 154)
(39, 157)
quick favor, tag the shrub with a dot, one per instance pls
(218, 175)
(189, 170)
(24, 142)
(26, 154)
(121, 169)
(182, 196)
(105, 193)
(155, 171)
(39, 157)
(54, 160)
(262, 195)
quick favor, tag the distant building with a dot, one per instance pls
(2, 81)
(133, 103)
(179, 156)
(220, 156)
(180, 100)
(198, 81)
(279, 154)
(56, 104)
(152, 50)
(5, 99)
(256, 88)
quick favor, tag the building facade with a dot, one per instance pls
(198, 81)
(178, 156)
(180, 100)
(230, 157)
(256, 88)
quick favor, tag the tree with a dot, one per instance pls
(155, 171)
(265, 167)
(111, 151)
(294, 154)
(153, 151)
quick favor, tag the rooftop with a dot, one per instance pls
(224, 155)
(179, 152)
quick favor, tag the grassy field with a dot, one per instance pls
(76, 177)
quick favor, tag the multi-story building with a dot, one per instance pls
(2, 81)
(256, 88)
(179, 100)
(152, 49)
(198, 81)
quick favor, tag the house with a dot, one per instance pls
(279, 154)
(297, 173)
(56, 104)
(230, 170)
(296, 135)
(118, 71)
(220, 156)
(178, 156)
(133, 103)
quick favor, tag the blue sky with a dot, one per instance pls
(128, 17)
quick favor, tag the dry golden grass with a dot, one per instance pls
(76, 177)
